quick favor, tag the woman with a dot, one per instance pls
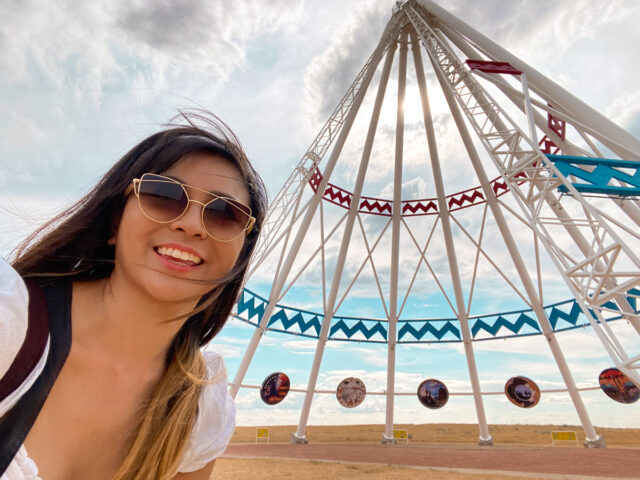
(142, 272)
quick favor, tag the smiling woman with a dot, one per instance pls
(133, 280)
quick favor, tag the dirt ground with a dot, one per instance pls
(442, 451)
(258, 468)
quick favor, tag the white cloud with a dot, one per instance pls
(208, 36)
(329, 75)
(626, 109)
(227, 351)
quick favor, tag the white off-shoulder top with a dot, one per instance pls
(216, 409)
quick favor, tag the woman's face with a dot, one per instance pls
(146, 251)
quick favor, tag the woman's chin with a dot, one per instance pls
(175, 292)
(163, 288)
(161, 285)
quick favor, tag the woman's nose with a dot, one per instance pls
(191, 221)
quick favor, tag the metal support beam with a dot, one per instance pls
(550, 198)
(281, 205)
(463, 318)
(280, 280)
(299, 436)
(396, 217)
(521, 268)
(528, 109)
(598, 273)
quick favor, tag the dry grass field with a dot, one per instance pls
(433, 434)
(449, 434)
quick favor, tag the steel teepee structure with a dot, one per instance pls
(541, 159)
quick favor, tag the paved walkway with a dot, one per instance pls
(547, 461)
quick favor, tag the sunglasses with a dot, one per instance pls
(165, 200)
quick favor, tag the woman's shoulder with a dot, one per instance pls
(216, 369)
(24, 342)
(14, 314)
(216, 409)
(216, 418)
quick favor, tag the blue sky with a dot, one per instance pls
(82, 83)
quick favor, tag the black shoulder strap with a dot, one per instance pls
(16, 423)
(34, 344)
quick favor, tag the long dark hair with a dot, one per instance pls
(75, 244)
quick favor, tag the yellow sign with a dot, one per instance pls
(262, 433)
(401, 435)
(564, 436)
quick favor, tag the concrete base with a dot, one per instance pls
(293, 438)
(485, 442)
(388, 441)
(599, 442)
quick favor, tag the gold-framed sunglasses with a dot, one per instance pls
(165, 200)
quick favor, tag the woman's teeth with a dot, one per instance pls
(179, 255)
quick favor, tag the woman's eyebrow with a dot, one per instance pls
(217, 193)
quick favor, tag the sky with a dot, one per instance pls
(82, 82)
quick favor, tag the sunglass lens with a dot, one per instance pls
(224, 220)
(162, 200)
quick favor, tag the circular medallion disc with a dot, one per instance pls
(274, 388)
(433, 393)
(618, 386)
(351, 392)
(522, 392)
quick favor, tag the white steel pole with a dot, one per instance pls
(628, 146)
(593, 438)
(631, 209)
(262, 249)
(299, 436)
(528, 109)
(287, 236)
(306, 221)
(443, 211)
(396, 217)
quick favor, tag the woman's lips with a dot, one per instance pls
(178, 257)
(174, 264)
(179, 254)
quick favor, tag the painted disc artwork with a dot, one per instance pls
(522, 392)
(351, 392)
(433, 393)
(274, 388)
(618, 386)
